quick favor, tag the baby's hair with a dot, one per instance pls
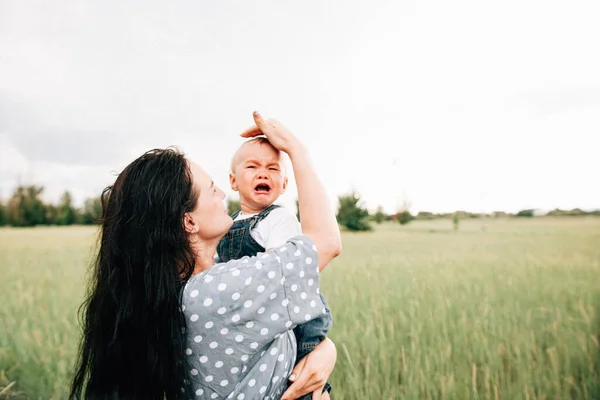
(258, 140)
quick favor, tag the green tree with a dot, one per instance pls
(379, 215)
(233, 206)
(26, 208)
(351, 214)
(52, 214)
(91, 212)
(525, 213)
(3, 215)
(403, 215)
(455, 220)
(66, 212)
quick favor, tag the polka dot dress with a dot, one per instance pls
(240, 317)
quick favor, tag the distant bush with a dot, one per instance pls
(379, 215)
(233, 206)
(426, 215)
(574, 212)
(404, 217)
(525, 213)
(351, 214)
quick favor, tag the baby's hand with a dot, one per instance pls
(279, 136)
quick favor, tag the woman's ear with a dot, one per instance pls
(190, 225)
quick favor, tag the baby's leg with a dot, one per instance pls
(310, 334)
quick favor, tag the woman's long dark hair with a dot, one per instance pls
(133, 329)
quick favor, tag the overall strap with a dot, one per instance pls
(262, 215)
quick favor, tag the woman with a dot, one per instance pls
(154, 279)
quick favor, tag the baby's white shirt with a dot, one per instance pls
(275, 229)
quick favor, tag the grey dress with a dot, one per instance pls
(240, 316)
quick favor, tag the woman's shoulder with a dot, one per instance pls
(298, 249)
(301, 244)
(241, 290)
(300, 241)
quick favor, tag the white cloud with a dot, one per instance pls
(12, 163)
(462, 105)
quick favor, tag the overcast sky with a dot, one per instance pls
(456, 105)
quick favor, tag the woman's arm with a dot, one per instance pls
(312, 372)
(318, 219)
(257, 297)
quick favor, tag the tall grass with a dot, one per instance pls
(420, 312)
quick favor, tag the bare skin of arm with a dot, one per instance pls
(318, 218)
(312, 372)
(319, 223)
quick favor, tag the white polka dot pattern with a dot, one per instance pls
(240, 315)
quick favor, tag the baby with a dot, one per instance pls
(259, 175)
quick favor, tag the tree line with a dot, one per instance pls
(26, 208)
(355, 217)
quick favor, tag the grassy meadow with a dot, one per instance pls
(420, 312)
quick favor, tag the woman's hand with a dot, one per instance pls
(279, 136)
(312, 372)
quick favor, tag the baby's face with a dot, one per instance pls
(258, 175)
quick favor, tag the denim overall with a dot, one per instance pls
(238, 243)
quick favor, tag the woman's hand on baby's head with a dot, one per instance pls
(279, 136)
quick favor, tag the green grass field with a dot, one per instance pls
(420, 312)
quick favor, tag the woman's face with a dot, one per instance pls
(209, 221)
